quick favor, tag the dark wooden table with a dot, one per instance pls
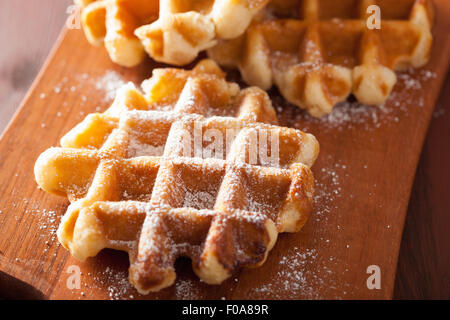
(30, 27)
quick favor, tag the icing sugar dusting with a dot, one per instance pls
(349, 114)
(137, 148)
(294, 278)
(186, 289)
(110, 82)
(292, 274)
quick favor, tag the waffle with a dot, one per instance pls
(171, 31)
(186, 28)
(113, 23)
(178, 171)
(317, 52)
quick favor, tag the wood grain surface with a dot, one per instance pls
(424, 261)
(360, 226)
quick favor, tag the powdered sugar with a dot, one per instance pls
(115, 281)
(328, 189)
(48, 223)
(349, 114)
(295, 276)
(187, 289)
(120, 286)
(136, 148)
(200, 199)
(110, 82)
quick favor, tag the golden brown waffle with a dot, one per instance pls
(181, 30)
(113, 23)
(319, 51)
(185, 28)
(178, 171)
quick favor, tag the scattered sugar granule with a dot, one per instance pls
(348, 114)
(118, 286)
(185, 289)
(293, 276)
(109, 83)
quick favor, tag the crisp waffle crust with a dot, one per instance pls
(172, 172)
(171, 31)
(317, 52)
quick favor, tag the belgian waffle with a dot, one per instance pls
(319, 51)
(186, 28)
(113, 23)
(171, 31)
(140, 179)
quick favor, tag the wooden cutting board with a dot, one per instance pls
(364, 175)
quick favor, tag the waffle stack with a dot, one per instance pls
(317, 52)
(174, 172)
(171, 31)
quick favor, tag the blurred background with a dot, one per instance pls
(30, 29)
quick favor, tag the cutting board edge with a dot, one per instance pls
(45, 67)
(428, 123)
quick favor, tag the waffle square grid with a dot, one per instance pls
(318, 52)
(140, 180)
(170, 31)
